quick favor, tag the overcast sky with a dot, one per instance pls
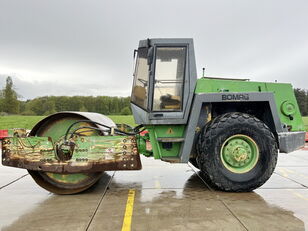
(71, 47)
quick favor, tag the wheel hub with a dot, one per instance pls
(239, 153)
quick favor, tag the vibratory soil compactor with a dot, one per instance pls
(230, 129)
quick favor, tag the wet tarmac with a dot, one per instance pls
(162, 196)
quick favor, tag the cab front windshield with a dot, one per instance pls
(141, 79)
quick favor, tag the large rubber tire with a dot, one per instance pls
(215, 137)
(194, 162)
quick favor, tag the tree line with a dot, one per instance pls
(302, 100)
(9, 103)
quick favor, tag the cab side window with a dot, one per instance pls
(169, 78)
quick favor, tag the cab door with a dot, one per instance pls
(169, 83)
(169, 77)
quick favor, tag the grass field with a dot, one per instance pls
(29, 121)
(306, 122)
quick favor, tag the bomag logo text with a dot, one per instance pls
(235, 97)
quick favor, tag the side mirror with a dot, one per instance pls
(135, 52)
(150, 55)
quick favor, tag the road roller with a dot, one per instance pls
(230, 129)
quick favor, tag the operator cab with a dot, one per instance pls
(164, 80)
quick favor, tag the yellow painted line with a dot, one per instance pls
(288, 170)
(283, 172)
(127, 222)
(302, 175)
(298, 194)
(157, 184)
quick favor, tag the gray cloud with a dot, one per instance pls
(80, 47)
(27, 90)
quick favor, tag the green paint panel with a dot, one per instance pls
(142, 143)
(285, 100)
(102, 147)
(57, 129)
(287, 106)
(205, 85)
(165, 131)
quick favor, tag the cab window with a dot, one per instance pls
(169, 78)
(141, 79)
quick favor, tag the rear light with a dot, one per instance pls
(4, 133)
(143, 132)
(306, 137)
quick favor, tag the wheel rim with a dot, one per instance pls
(64, 183)
(239, 153)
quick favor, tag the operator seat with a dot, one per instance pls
(170, 102)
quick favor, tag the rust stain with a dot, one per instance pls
(103, 154)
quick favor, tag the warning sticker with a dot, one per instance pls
(170, 131)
